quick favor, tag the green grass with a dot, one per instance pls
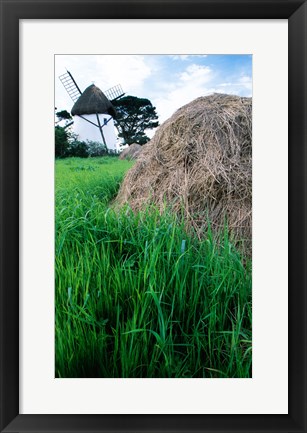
(138, 296)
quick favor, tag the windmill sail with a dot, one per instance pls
(114, 93)
(70, 86)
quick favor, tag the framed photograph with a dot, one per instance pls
(153, 216)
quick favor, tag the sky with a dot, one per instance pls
(168, 81)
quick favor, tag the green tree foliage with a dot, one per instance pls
(63, 115)
(61, 142)
(134, 116)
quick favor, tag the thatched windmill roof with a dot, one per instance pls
(92, 101)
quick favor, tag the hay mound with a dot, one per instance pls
(131, 152)
(200, 163)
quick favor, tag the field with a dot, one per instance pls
(136, 295)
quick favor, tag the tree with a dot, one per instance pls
(63, 115)
(134, 116)
(61, 142)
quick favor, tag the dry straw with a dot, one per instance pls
(200, 163)
(92, 101)
(131, 152)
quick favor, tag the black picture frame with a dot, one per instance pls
(295, 11)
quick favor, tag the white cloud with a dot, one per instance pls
(185, 56)
(129, 71)
(246, 82)
(191, 84)
(104, 70)
(242, 86)
(196, 72)
(180, 56)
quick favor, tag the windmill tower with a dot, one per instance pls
(93, 112)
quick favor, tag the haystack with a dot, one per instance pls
(199, 163)
(131, 152)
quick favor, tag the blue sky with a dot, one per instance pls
(168, 81)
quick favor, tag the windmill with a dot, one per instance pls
(93, 112)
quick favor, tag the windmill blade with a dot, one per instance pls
(114, 93)
(70, 85)
(68, 124)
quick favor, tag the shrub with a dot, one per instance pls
(68, 145)
(95, 148)
(77, 148)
